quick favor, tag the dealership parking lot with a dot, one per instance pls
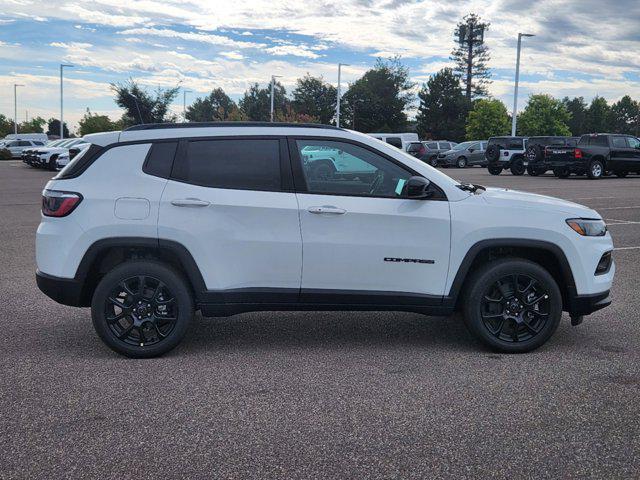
(319, 395)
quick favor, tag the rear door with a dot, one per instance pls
(634, 154)
(619, 159)
(362, 238)
(230, 202)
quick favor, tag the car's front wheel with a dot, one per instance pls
(512, 305)
(494, 169)
(142, 308)
(461, 162)
(433, 161)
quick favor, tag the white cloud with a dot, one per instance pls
(293, 50)
(192, 36)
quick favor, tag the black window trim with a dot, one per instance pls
(300, 184)
(286, 176)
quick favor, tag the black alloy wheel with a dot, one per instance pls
(517, 167)
(515, 308)
(512, 305)
(494, 169)
(141, 310)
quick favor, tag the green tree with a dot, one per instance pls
(315, 98)
(35, 125)
(544, 115)
(625, 116)
(256, 102)
(216, 106)
(598, 119)
(472, 55)
(379, 99)
(487, 118)
(140, 106)
(6, 126)
(443, 107)
(53, 128)
(94, 123)
(577, 108)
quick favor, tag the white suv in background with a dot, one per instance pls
(16, 147)
(148, 224)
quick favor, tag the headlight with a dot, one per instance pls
(588, 228)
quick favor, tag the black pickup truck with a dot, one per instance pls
(539, 148)
(595, 155)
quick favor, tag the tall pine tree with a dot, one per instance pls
(472, 55)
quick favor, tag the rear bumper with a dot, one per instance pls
(67, 291)
(587, 304)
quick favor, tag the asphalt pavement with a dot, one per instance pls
(319, 395)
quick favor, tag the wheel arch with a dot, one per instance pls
(105, 254)
(546, 254)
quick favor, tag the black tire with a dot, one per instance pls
(494, 169)
(492, 154)
(520, 321)
(461, 162)
(621, 174)
(148, 325)
(433, 161)
(595, 169)
(561, 172)
(531, 170)
(517, 167)
(534, 154)
(322, 170)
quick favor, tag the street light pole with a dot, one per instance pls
(15, 107)
(340, 65)
(273, 86)
(62, 65)
(514, 118)
(184, 105)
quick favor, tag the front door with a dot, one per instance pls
(227, 204)
(362, 237)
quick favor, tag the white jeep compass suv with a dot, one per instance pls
(149, 224)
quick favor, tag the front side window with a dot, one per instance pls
(618, 142)
(242, 164)
(347, 169)
(633, 142)
(395, 141)
(414, 147)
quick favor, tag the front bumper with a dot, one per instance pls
(587, 304)
(67, 291)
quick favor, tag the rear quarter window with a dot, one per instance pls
(160, 159)
(395, 141)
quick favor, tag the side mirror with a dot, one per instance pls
(471, 150)
(417, 188)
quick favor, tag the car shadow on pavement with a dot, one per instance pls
(295, 330)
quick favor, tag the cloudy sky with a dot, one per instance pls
(581, 47)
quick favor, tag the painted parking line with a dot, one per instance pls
(613, 221)
(619, 208)
(627, 248)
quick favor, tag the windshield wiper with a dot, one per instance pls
(470, 187)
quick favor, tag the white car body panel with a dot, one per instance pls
(247, 239)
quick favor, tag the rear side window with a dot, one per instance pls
(160, 159)
(514, 144)
(445, 145)
(395, 141)
(414, 147)
(432, 146)
(241, 164)
(619, 142)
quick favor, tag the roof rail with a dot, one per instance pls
(160, 126)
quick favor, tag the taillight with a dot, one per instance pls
(59, 204)
(577, 153)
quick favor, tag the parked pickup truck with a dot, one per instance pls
(539, 148)
(595, 155)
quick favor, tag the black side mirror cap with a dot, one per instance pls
(417, 188)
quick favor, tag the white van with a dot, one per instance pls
(400, 140)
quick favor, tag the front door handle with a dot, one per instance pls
(327, 209)
(190, 202)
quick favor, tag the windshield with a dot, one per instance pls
(463, 146)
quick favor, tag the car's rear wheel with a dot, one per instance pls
(561, 172)
(142, 308)
(595, 170)
(517, 167)
(461, 162)
(532, 170)
(512, 305)
(433, 161)
(494, 169)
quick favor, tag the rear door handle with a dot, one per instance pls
(190, 202)
(327, 209)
